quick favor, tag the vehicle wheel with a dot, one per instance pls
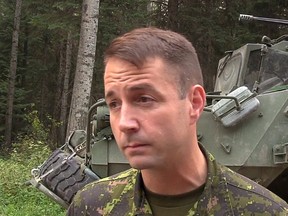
(66, 179)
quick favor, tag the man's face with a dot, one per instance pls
(151, 124)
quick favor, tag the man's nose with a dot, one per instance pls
(128, 122)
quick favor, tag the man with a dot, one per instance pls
(153, 88)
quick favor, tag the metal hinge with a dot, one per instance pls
(280, 153)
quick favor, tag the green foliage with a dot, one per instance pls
(16, 197)
(36, 128)
(55, 15)
(20, 105)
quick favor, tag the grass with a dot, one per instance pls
(16, 198)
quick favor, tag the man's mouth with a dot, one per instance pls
(135, 148)
(135, 145)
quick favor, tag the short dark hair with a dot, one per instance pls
(140, 44)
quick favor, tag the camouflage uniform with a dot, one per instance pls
(225, 193)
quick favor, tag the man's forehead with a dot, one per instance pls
(144, 62)
(120, 72)
(132, 88)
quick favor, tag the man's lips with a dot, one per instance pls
(134, 146)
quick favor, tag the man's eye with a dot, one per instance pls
(113, 105)
(144, 99)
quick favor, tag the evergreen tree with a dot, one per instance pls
(12, 76)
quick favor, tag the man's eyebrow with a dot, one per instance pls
(109, 94)
(142, 86)
(138, 87)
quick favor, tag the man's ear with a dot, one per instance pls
(197, 98)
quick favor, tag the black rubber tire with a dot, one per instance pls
(67, 179)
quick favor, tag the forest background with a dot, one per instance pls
(46, 61)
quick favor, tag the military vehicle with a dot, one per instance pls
(244, 125)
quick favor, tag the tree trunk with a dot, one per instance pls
(84, 68)
(64, 99)
(12, 76)
(173, 15)
(149, 11)
(57, 99)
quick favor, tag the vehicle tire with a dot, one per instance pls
(67, 178)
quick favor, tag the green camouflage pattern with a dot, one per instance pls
(225, 193)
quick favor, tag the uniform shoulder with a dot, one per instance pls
(107, 196)
(242, 188)
(124, 176)
(104, 194)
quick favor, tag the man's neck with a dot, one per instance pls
(186, 175)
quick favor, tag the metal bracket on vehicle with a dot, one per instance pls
(280, 153)
(226, 147)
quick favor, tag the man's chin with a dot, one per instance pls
(140, 164)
